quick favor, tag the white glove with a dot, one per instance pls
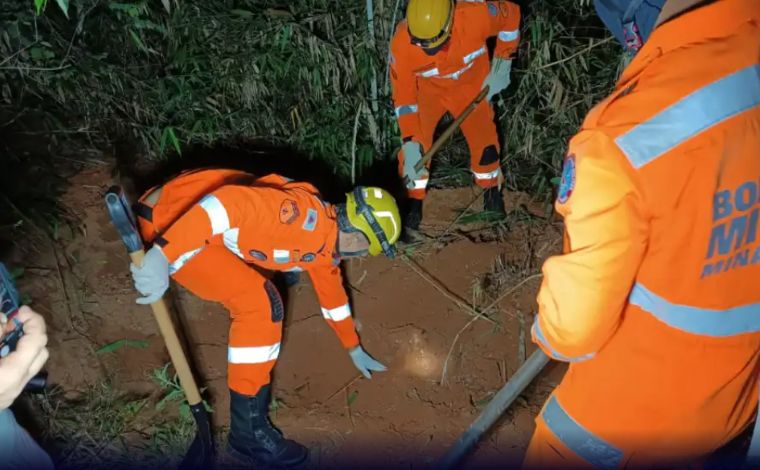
(412, 156)
(498, 78)
(152, 278)
(364, 362)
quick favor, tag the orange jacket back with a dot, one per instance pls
(656, 300)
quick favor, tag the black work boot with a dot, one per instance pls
(493, 202)
(252, 437)
(412, 218)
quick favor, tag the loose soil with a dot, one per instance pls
(405, 417)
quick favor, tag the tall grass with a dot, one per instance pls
(299, 73)
(165, 75)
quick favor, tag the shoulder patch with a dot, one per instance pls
(567, 183)
(289, 211)
(493, 10)
(310, 222)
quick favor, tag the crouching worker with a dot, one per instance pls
(208, 227)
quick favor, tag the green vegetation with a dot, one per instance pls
(101, 425)
(165, 75)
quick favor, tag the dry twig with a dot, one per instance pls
(446, 293)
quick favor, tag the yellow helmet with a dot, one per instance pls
(374, 212)
(429, 21)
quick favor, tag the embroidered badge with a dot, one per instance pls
(259, 255)
(289, 211)
(308, 257)
(310, 222)
(492, 9)
(567, 183)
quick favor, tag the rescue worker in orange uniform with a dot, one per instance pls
(655, 302)
(439, 62)
(215, 231)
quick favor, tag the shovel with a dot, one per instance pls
(449, 131)
(201, 452)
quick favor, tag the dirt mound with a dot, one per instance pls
(413, 314)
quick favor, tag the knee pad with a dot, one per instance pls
(490, 155)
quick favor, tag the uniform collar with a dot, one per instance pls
(716, 19)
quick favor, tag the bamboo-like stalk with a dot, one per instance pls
(371, 38)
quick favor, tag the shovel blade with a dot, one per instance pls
(201, 454)
(122, 218)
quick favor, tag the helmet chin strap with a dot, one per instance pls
(363, 209)
(434, 50)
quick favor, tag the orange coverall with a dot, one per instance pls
(656, 300)
(215, 226)
(425, 87)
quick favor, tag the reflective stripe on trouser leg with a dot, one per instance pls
(420, 189)
(546, 451)
(254, 341)
(480, 131)
(216, 274)
(578, 439)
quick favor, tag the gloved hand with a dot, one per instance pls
(152, 278)
(498, 79)
(412, 155)
(364, 362)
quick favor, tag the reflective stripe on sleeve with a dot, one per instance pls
(539, 334)
(182, 259)
(508, 35)
(230, 238)
(406, 109)
(338, 313)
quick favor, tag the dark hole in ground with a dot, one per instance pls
(256, 157)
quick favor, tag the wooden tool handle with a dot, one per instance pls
(450, 130)
(176, 353)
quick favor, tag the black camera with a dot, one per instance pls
(9, 305)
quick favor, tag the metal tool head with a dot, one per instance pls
(122, 218)
(9, 299)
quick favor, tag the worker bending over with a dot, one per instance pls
(213, 231)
